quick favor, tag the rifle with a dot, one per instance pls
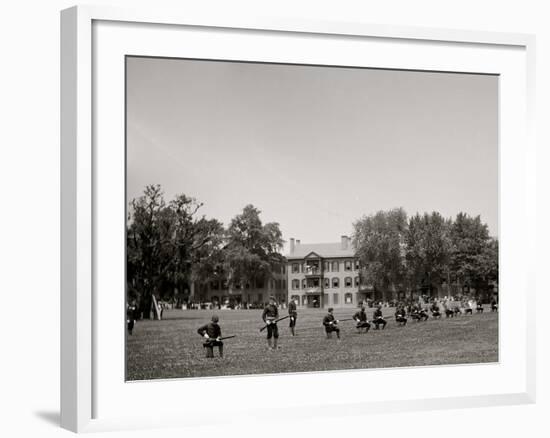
(207, 341)
(274, 322)
(342, 320)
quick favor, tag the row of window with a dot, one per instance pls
(309, 299)
(334, 283)
(312, 267)
(272, 284)
(258, 298)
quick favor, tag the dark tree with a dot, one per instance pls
(428, 246)
(379, 243)
(252, 249)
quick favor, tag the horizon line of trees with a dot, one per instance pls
(171, 247)
(402, 255)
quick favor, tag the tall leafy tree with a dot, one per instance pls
(379, 243)
(148, 245)
(197, 244)
(474, 255)
(169, 247)
(428, 248)
(252, 248)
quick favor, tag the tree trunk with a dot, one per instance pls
(146, 302)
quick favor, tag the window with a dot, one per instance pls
(313, 282)
(334, 266)
(335, 282)
(335, 299)
(284, 284)
(304, 300)
(304, 283)
(356, 281)
(296, 284)
(260, 298)
(326, 266)
(356, 265)
(295, 297)
(295, 268)
(348, 282)
(327, 283)
(312, 267)
(215, 285)
(348, 298)
(347, 265)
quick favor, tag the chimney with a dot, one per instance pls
(344, 241)
(292, 245)
(297, 242)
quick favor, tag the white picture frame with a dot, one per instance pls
(89, 399)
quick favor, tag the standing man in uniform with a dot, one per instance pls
(131, 316)
(212, 333)
(378, 318)
(331, 324)
(293, 316)
(270, 314)
(360, 318)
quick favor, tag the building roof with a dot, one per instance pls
(325, 250)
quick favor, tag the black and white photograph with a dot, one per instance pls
(290, 218)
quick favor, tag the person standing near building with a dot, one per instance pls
(331, 324)
(131, 316)
(269, 316)
(293, 313)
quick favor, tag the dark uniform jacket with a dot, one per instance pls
(377, 313)
(131, 313)
(270, 312)
(400, 312)
(292, 309)
(361, 316)
(212, 329)
(328, 319)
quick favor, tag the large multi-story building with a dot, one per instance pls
(219, 292)
(324, 274)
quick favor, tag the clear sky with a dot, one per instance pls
(314, 148)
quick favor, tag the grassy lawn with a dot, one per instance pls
(172, 348)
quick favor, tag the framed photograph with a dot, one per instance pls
(264, 209)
